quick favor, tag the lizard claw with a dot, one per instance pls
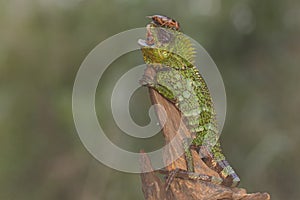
(146, 81)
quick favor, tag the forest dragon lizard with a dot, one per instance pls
(171, 55)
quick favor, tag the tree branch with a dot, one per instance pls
(155, 189)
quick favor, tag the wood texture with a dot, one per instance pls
(154, 188)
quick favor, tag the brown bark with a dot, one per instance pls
(155, 189)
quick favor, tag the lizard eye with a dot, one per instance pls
(165, 54)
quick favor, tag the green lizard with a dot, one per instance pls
(171, 55)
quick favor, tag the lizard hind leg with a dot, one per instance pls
(189, 163)
(188, 154)
(186, 175)
(190, 173)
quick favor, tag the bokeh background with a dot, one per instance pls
(255, 44)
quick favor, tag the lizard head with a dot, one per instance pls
(166, 46)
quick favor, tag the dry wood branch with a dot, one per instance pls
(155, 189)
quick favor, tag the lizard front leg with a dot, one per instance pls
(149, 80)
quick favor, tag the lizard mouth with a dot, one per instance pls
(143, 43)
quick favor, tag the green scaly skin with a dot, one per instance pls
(171, 54)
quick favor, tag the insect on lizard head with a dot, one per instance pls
(164, 21)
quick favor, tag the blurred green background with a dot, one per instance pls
(255, 44)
